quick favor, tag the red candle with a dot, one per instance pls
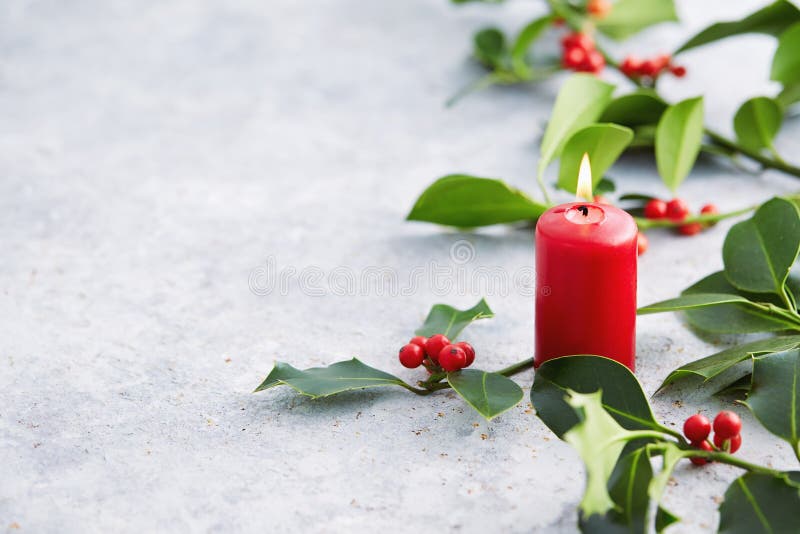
(586, 283)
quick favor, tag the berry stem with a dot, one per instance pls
(755, 155)
(646, 224)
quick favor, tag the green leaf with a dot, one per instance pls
(490, 47)
(622, 395)
(760, 503)
(739, 387)
(599, 440)
(678, 139)
(775, 395)
(323, 381)
(786, 61)
(527, 36)
(469, 201)
(711, 366)
(757, 122)
(635, 109)
(692, 300)
(447, 320)
(603, 142)
(580, 101)
(732, 318)
(489, 393)
(759, 252)
(789, 95)
(772, 20)
(629, 17)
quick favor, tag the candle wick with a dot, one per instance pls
(584, 210)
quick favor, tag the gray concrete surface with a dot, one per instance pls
(155, 154)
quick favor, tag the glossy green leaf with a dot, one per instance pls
(711, 366)
(732, 318)
(469, 201)
(622, 395)
(603, 142)
(758, 253)
(789, 95)
(489, 393)
(772, 19)
(635, 109)
(760, 503)
(527, 36)
(323, 381)
(775, 395)
(786, 61)
(579, 103)
(692, 300)
(447, 320)
(490, 47)
(739, 387)
(604, 185)
(757, 122)
(629, 17)
(679, 136)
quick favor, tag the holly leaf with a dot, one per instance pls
(786, 61)
(629, 17)
(489, 393)
(679, 137)
(447, 320)
(772, 20)
(527, 36)
(757, 122)
(580, 101)
(739, 387)
(693, 300)
(622, 395)
(324, 381)
(635, 109)
(775, 395)
(490, 48)
(732, 318)
(759, 253)
(603, 142)
(757, 502)
(468, 201)
(711, 366)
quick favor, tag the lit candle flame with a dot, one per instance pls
(584, 190)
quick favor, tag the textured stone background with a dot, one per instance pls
(154, 154)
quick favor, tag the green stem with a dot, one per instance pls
(542, 186)
(518, 367)
(725, 458)
(755, 155)
(646, 224)
(479, 84)
(434, 382)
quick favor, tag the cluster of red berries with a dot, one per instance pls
(652, 68)
(677, 210)
(727, 433)
(437, 353)
(580, 54)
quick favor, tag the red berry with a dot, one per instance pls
(577, 40)
(641, 243)
(661, 62)
(702, 445)
(599, 8)
(452, 358)
(655, 209)
(697, 428)
(468, 350)
(648, 68)
(679, 71)
(690, 229)
(677, 209)
(419, 341)
(574, 57)
(726, 425)
(733, 443)
(709, 209)
(595, 62)
(631, 66)
(434, 346)
(411, 356)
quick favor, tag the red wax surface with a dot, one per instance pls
(586, 283)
